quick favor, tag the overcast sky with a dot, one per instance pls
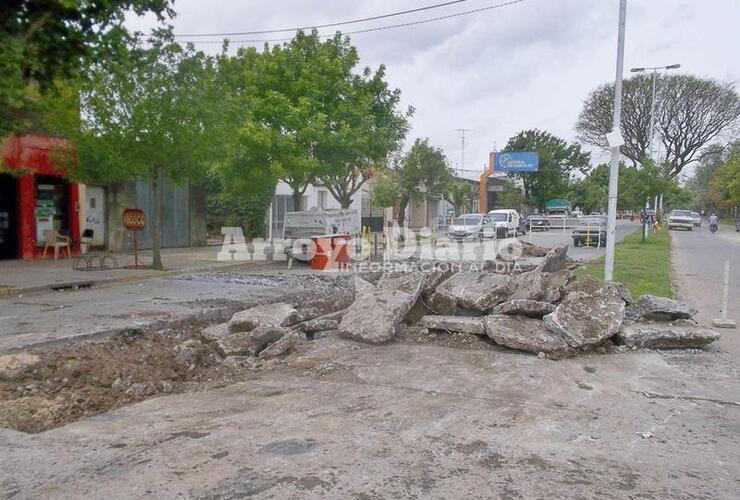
(528, 65)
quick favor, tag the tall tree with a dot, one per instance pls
(280, 104)
(358, 124)
(711, 160)
(42, 41)
(689, 113)
(558, 160)
(423, 170)
(724, 187)
(147, 113)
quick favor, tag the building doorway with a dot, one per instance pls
(8, 219)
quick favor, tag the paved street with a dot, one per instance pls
(561, 237)
(698, 266)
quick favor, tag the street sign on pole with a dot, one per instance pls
(611, 221)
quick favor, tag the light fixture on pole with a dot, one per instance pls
(655, 70)
(615, 141)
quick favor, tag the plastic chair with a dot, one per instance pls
(53, 238)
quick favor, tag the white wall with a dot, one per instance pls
(311, 197)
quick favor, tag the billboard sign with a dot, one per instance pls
(516, 161)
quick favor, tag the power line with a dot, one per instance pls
(329, 25)
(379, 28)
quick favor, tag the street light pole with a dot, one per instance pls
(615, 141)
(651, 131)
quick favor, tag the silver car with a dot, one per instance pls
(471, 226)
(697, 219)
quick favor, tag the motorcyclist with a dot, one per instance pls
(713, 222)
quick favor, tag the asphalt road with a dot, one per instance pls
(698, 264)
(556, 237)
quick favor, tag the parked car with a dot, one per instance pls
(506, 222)
(470, 227)
(537, 222)
(585, 236)
(681, 219)
(697, 219)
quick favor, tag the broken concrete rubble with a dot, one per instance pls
(660, 309)
(276, 314)
(663, 335)
(319, 325)
(186, 354)
(524, 307)
(459, 324)
(251, 343)
(15, 365)
(280, 347)
(375, 315)
(554, 283)
(591, 285)
(525, 334)
(527, 286)
(555, 260)
(587, 319)
(483, 292)
(529, 249)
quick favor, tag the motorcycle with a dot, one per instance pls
(713, 228)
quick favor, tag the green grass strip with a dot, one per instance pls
(643, 267)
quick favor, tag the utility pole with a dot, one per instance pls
(651, 133)
(462, 148)
(615, 141)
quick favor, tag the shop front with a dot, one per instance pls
(36, 200)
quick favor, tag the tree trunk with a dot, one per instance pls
(346, 201)
(156, 217)
(297, 200)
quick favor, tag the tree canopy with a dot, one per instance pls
(558, 160)
(423, 169)
(148, 113)
(689, 113)
(43, 41)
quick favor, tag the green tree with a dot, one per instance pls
(423, 170)
(700, 183)
(460, 193)
(358, 124)
(44, 41)
(725, 185)
(147, 113)
(558, 160)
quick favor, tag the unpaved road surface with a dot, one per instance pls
(344, 420)
(55, 316)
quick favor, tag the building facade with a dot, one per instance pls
(35, 196)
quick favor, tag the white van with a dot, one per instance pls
(506, 221)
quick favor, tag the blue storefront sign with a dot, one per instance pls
(516, 161)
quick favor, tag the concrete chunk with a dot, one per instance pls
(278, 314)
(660, 309)
(524, 334)
(662, 335)
(459, 324)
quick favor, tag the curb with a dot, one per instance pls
(11, 292)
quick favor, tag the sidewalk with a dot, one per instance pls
(19, 276)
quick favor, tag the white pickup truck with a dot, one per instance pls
(681, 219)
